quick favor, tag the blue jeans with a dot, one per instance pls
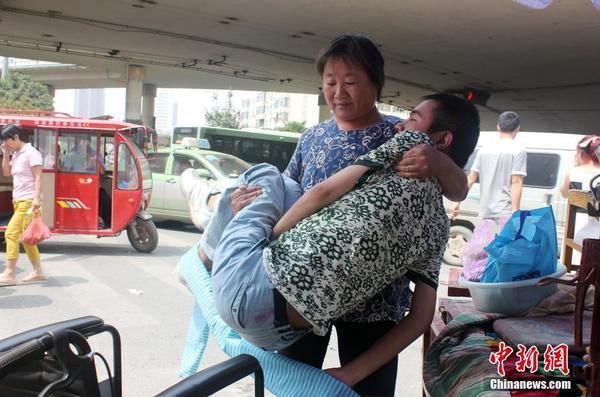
(243, 293)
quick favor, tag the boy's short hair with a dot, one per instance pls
(12, 130)
(357, 50)
(509, 122)
(461, 118)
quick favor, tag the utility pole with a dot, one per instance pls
(4, 68)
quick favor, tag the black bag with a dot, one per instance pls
(58, 364)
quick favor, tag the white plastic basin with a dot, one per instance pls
(511, 298)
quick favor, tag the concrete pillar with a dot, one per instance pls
(324, 111)
(51, 90)
(4, 67)
(133, 102)
(148, 95)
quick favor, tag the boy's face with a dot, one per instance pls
(420, 118)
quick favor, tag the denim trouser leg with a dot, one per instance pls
(220, 219)
(242, 290)
(293, 191)
(249, 231)
(223, 212)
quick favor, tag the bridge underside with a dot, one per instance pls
(542, 63)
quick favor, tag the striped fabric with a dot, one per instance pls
(456, 363)
(283, 376)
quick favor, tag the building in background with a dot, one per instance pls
(165, 110)
(181, 107)
(393, 110)
(272, 110)
(89, 102)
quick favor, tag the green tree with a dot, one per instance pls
(19, 91)
(222, 116)
(294, 126)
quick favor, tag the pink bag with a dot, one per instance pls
(36, 232)
(474, 257)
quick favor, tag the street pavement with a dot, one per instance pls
(141, 296)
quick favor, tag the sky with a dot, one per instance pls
(192, 104)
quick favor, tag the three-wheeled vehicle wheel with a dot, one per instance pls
(142, 235)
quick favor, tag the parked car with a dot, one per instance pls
(168, 201)
(548, 156)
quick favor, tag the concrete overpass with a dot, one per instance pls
(542, 63)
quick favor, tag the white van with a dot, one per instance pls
(548, 156)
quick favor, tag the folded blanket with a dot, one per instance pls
(562, 301)
(457, 362)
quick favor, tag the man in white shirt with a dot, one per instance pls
(500, 168)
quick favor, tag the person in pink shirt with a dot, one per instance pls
(25, 166)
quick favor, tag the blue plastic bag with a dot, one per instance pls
(525, 248)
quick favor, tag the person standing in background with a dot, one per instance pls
(25, 166)
(500, 168)
(579, 176)
(586, 166)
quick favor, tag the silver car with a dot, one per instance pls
(216, 170)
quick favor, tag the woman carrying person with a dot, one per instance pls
(339, 243)
(25, 166)
(352, 69)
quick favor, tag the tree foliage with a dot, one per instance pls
(19, 91)
(222, 116)
(294, 126)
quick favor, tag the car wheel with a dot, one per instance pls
(459, 236)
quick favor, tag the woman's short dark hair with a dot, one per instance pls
(357, 50)
(12, 130)
(461, 118)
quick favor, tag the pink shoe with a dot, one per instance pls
(33, 278)
(5, 281)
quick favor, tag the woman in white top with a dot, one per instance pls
(24, 163)
(586, 167)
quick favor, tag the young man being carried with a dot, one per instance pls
(340, 243)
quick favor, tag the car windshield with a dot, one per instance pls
(230, 166)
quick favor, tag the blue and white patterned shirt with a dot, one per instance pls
(322, 151)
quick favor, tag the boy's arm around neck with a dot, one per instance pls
(318, 197)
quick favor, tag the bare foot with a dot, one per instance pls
(213, 199)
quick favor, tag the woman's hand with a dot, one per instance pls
(421, 161)
(36, 203)
(5, 149)
(242, 196)
(341, 375)
(454, 211)
(425, 161)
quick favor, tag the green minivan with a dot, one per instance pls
(168, 201)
